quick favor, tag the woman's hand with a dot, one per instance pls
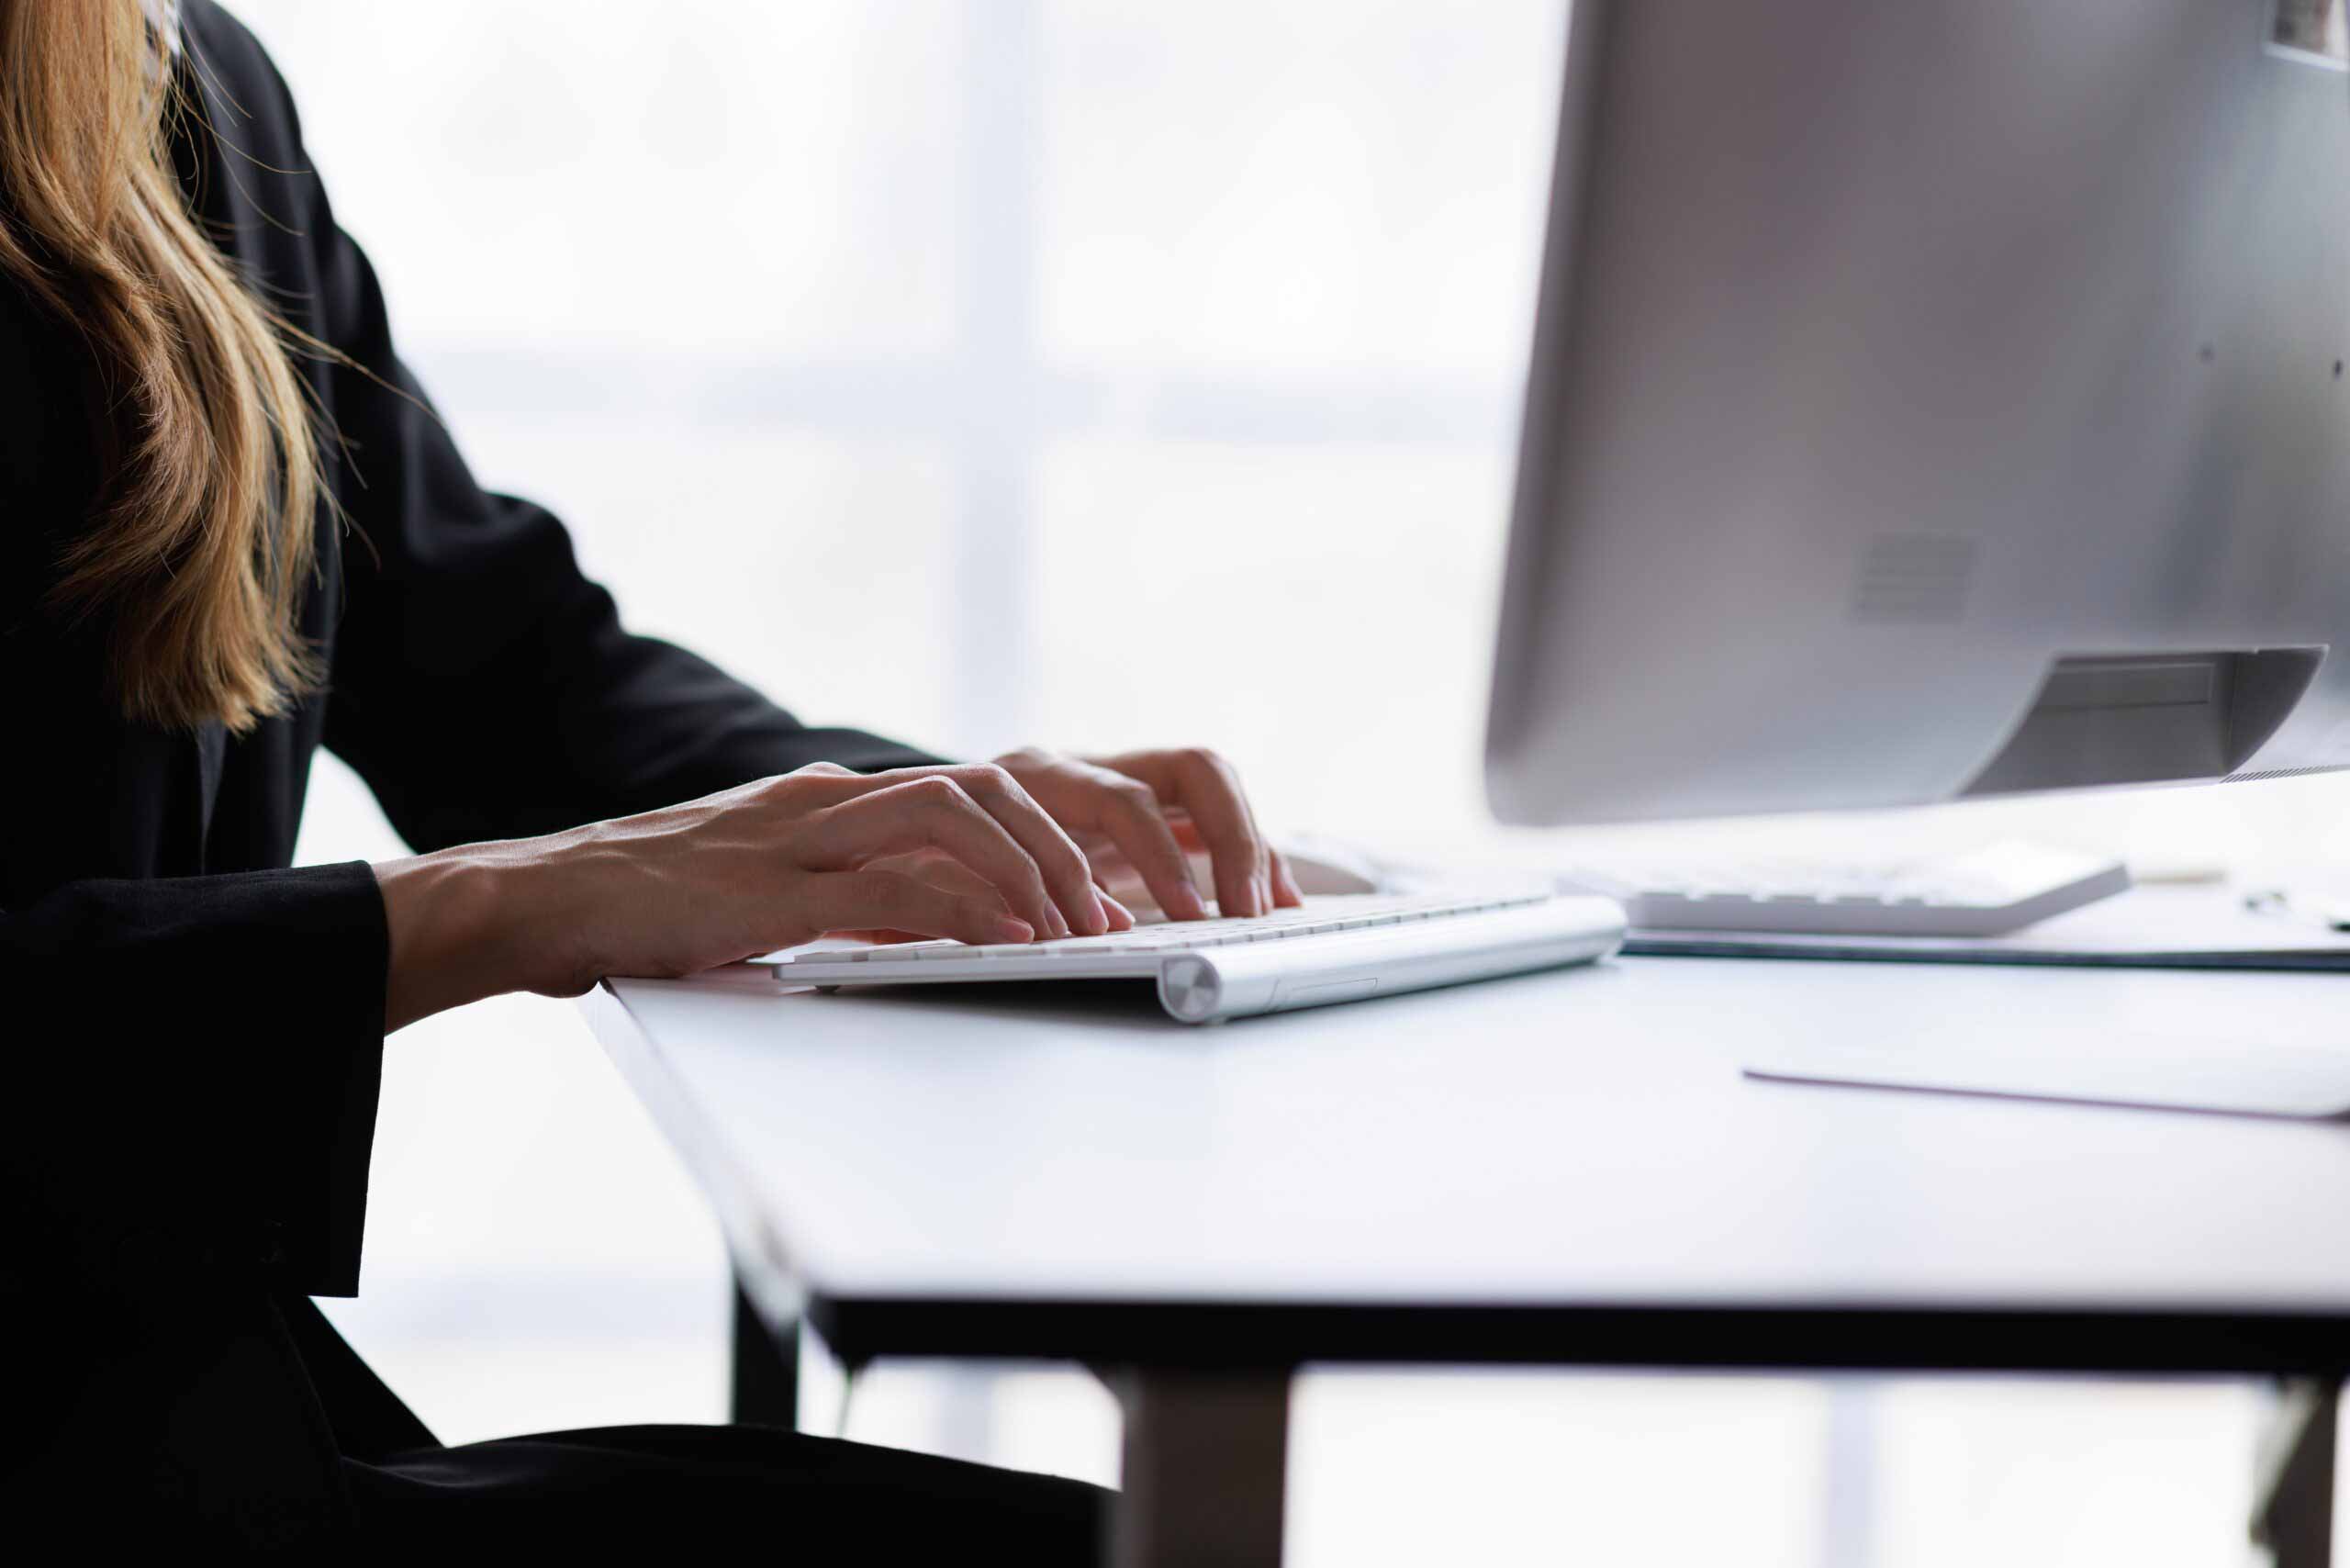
(744, 871)
(1137, 814)
(984, 853)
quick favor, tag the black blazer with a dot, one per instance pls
(192, 1031)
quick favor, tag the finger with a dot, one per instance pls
(1286, 892)
(890, 901)
(1121, 917)
(928, 812)
(1067, 875)
(1209, 793)
(939, 869)
(1128, 812)
(821, 784)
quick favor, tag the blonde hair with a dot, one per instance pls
(198, 547)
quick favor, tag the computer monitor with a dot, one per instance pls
(1928, 399)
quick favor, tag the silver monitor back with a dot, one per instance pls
(1931, 399)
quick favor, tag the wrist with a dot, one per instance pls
(455, 919)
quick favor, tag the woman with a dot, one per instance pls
(232, 531)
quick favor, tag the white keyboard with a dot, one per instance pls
(1339, 948)
(1985, 892)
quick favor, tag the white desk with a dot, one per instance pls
(1564, 1168)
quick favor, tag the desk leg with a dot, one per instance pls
(1205, 1466)
(763, 1388)
(2292, 1511)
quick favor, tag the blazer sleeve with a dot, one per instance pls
(481, 684)
(200, 1059)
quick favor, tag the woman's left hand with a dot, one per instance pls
(1143, 809)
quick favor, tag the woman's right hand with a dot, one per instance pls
(766, 865)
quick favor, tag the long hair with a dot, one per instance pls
(194, 559)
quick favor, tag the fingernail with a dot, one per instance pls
(1118, 911)
(1097, 919)
(1009, 929)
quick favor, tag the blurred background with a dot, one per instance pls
(993, 371)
